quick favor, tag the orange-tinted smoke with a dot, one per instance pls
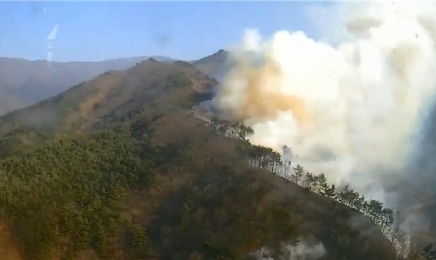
(264, 97)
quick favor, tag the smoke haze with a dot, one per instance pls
(355, 110)
(302, 250)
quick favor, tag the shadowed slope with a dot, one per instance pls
(215, 65)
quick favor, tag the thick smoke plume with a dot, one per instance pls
(353, 111)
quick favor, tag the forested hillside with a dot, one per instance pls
(125, 172)
(139, 191)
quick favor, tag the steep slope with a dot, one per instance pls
(125, 172)
(417, 205)
(166, 188)
(23, 82)
(108, 97)
(215, 65)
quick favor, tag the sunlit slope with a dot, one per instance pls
(24, 82)
(109, 97)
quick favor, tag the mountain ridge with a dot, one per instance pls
(26, 82)
(117, 168)
(84, 104)
(215, 65)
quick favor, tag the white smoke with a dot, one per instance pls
(303, 250)
(352, 111)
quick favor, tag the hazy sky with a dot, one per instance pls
(105, 30)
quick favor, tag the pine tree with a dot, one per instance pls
(298, 173)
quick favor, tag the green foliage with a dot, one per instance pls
(260, 157)
(137, 236)
(218, 218)
(70, 193)
(198, 197)
(137, 241)
(298, 173)
(179, 80)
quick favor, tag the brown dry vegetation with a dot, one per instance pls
(8, 249)
(94, 104)
(24, 82)
(144, 180)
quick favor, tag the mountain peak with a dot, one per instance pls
(151, 60)
(221, 52)
(219, 56)
(215, 65)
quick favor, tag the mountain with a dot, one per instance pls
(109, 96)
(24, 82)
(418, 196)
(215, 65)
(119, 167)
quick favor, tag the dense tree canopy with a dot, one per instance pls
(142, 190)
(122, 170)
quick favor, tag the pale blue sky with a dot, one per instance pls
(106, 30)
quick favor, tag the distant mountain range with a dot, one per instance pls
(24, 82)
